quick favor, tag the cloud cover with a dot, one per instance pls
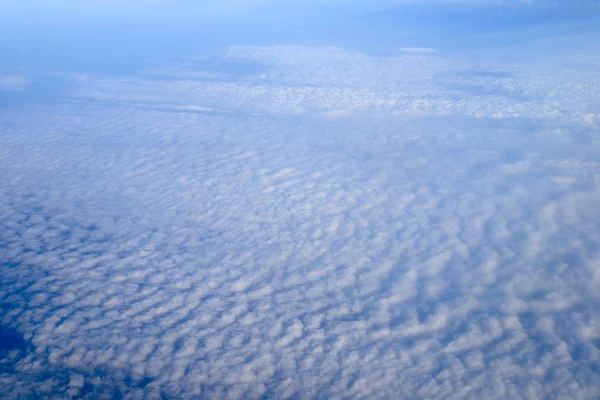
(336, 225)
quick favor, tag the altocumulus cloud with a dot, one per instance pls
(334, 225)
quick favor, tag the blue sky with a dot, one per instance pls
(322, 199)
(73, 35)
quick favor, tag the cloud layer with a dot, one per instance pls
(335, 225)
(303, 80)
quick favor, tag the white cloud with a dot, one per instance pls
(301, 80)
(199, 238)
(12, 83)
(418, 50)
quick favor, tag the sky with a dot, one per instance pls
(320, 199)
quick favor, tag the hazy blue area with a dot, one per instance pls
(120, 40)
(320, 199)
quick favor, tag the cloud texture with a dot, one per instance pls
(337, 225)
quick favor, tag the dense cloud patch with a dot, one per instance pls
(338, 225)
